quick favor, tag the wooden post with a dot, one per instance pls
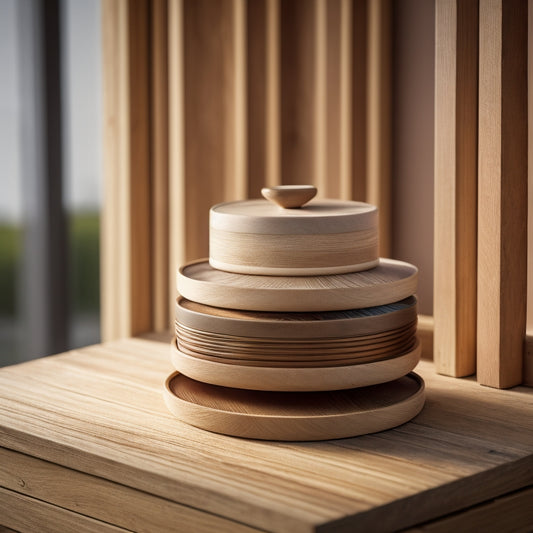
(502, 197)
(456, 65)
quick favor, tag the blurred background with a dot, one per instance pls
(50, 176)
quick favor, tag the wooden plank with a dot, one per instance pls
(528, 355)
(297, 93)
(455, 266)
(213, 140)
(359, 99)
(84, 411)
(115, 246)
(98, 498)
(379, 117)
(425, 332)
(159, 164)
(177, 199)
(516, 508)
(126, 216)
(502, 192)
(23, 513)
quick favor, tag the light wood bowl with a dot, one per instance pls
(269, 326)
(289, 416)
(391, 281)
(294, 379)
(323, 237)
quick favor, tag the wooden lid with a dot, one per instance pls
(273, 378)
(317, 217)
(294, 416)
(391, 281)
(336, 324)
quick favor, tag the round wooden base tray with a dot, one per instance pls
(294, 379)
(391, 281)
(285, 326)
(294, 416)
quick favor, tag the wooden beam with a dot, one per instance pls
(455, 231)
(379, 117)
(502, 197)
(159, 164)
(297, 93)
(126, 221)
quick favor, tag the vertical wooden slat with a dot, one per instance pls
(273, 136)
(502, 196)
(322, 120)
(234, 28)
(528, 350)
(177, 214)
(297, 82)
(126, 216)
(379, 117)
(210, 124)
(263, 95)
(115, 242)
(345, 99)
(159, 164)
(359, 99)
(455, 186)
(140, 190)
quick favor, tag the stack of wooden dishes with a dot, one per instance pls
(294, 329)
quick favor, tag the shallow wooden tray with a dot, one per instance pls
(294, 379)
(270, 325)
(295, 416)
(391, 281)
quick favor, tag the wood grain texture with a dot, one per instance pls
(425, 333)
(31, 478)
(391, 281)
(502, 192)
(528, 352)
(297, 34)
(159, 164)
(23, 513)
(296, 326)
(294, 417)
(294, 378)
(99, 411)
(455, 265)
(378, 170)
(516, 508)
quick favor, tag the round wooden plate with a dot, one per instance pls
(391, 281)
(268, 378)
(294, 416)
(285, 326)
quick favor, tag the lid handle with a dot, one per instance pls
(289, 196)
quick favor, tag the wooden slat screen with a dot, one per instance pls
(207, 101)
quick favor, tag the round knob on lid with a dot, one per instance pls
(289, 196)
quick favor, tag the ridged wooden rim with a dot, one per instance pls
(389, 282)
(286, 326)
(297, 426)
(294, 379)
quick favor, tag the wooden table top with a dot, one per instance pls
(100, 411)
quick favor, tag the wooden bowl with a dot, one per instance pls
(391, 281)
(294, 416)
(322, 237)
(271, 378)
